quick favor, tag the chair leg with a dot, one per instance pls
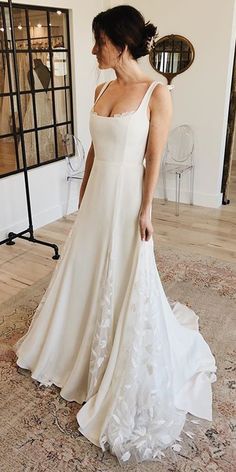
(177, 192)
(191, 185)
(67, 196)
(164, 183)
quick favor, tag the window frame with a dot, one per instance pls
(7, 51)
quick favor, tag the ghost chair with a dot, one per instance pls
(75, 161)
(178, 159)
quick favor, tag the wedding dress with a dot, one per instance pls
(105, 331)
(46, 138)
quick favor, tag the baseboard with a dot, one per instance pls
(200, 199)
(43, 218)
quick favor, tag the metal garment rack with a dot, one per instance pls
(38, 39)
(11, 236)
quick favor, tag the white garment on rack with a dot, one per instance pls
(59, 62)
(45, 137)
(6, 121)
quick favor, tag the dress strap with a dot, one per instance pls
(105, 85)
(147, 96)
(145, 100)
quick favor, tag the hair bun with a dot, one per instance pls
(150, 30)
(125, 26)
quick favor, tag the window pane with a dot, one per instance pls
(4, 77)
(27, 111)
(8, 28)
(46, 144)
(4, 83)
(38, 29)
(58, 29)
(62, 105)
(7, 155)
(30, 149)
(20, 29)
(2, 39)
(23, 71)
(69, 143)
(60, 69)
(62, 131)
(41, 72)
(6, 124)
(44, 108)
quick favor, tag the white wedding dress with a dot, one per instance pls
(44, 118)
(105, 331)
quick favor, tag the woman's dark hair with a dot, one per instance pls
(124, 25)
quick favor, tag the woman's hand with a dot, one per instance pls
(145, 225)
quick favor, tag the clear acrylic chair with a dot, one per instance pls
(178, 159)
(75, 157)
(75, 162)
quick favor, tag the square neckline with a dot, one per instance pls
(125, 113)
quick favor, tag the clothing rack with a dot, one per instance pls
(11, 236)
(40, 38)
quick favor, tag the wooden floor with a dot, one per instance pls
(205, 231)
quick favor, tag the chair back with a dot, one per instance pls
(75, 154)
(180, 145)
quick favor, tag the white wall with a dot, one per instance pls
(200, 97)
(47, 183)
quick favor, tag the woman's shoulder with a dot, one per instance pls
(98, 90)
(160, 88)
(161, 92)
(161, 99)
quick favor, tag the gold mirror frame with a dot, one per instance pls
(172, 45)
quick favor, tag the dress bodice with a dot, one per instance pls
(121, 138)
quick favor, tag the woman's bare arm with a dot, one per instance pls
(87, 170)
(89, 159)
(160, 120)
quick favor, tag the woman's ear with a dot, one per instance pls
(127, 51)
(124, 50)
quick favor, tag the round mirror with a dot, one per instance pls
(171, 55)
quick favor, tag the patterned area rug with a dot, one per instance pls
(39, 431)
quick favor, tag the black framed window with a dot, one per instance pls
(44, 70)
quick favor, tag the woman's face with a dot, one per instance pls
(107, 54)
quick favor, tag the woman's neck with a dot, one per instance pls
(130, 72)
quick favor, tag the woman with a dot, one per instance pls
(104, 331)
